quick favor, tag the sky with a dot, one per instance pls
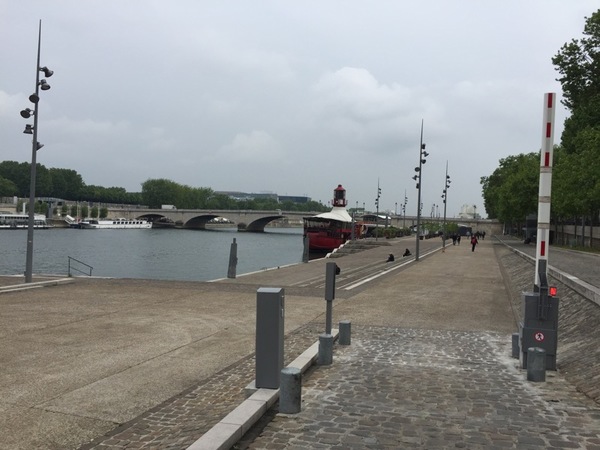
(286, 97)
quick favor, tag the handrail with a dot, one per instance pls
(78, 270)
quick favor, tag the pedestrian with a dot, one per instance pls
(391, 258)
(458, 239)
(474, 242)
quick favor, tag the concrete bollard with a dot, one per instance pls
(536, 364)
(290, 391)
(231, 269)
(515, 345)
(345, 332)
(325, 357)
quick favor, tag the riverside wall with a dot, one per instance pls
(578, 354)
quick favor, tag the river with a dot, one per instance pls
(161, 254)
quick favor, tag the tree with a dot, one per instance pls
(511, 192)
(578, 170)
(7, 187)
(66, 183)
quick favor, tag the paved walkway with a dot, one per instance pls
(428, 366)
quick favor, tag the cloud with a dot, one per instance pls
(255, 147)
(367, 114)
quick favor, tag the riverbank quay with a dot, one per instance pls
(168, 360)
(438, 373)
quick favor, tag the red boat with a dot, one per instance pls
(327, 231)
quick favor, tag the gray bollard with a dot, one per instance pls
(536, 364)
(515, 345)
(345, 332)
(270, 316)
(231, 269)
(290, 391)
(325, 357)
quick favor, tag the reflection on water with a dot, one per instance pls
(194, 255)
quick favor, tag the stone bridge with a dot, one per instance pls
(254, 221)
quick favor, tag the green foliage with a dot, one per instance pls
(511, 192)
(69, 185)
(94, 212)
(576, 189)
(451, 227)
(84, 211)
(64, 209)
(103, 212)
(7, 187)
(578, 62)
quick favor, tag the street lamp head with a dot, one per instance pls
(44, 86)
(422, 146)
(417, 169)
(33, 98)
(39, 145)
(415, 177)
(423, 160)
(26, 113)
(28, 129)
(47, 72)
(425, 154)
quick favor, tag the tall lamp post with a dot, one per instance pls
(404, 209)
(445, 197)
(377, 210)
(35, 146)
(418, 178)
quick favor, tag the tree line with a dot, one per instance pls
(511, 192)
(67, 184)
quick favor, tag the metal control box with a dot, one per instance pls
(270, 313)
(539, 327)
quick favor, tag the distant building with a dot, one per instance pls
(265, 195)
(469, 212)
(293, 199)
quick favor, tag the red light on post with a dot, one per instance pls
(552, 291)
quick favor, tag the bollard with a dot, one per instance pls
(325, 357)
(515, 345)
(290, 391)
(536, 364)
(305, 250)
(231, 269)
(270, 315)
(345, 332)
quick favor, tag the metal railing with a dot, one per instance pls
(77, 269)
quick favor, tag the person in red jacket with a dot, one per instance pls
(474, 242)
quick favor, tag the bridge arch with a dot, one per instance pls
(258, 225)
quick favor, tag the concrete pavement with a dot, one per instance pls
(143, 364)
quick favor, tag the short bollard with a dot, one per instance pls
(345, 332)
(536, 364)
(515, 345)
(325, 357)
(290, 391)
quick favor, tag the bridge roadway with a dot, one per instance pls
(113, 364)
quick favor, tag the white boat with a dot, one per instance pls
(11, 221)
(119, 223)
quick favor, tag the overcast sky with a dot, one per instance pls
(286, 97)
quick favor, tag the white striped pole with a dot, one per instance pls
(543, 230)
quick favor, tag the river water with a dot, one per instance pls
(165, 254)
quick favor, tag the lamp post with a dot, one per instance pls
(35, 146)
(404, 209)
(418, 178)
(377, 212)
(445, 197)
